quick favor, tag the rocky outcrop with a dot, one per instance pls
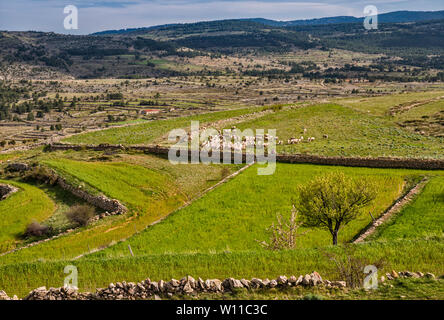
(6, 190)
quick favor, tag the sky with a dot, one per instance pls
(93, 16)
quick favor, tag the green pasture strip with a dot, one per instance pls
(136, 186)
(381, 105)
(20, 209)
(419, 112)
(350, 133)
(20, 278)
(235, 215)
(149, 132)
(9, 156)
(422, 218)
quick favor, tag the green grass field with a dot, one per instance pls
(20, 209)
(234, 216)
(423, 218)
(350, 133)
(218, 235)
(150, 189)
(380, 105)
(20, 278)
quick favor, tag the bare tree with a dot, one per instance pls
(283, 233)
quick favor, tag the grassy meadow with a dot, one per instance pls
(380, 106)
(237, 214)
(20, 209)
(350, 133)
(218, 235)
(423, 218)
(415, 255)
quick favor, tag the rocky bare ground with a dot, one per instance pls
(148, 289)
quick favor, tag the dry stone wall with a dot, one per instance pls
(148, 289)
(111, 206)
(380, 162)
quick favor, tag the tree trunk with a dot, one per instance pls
(335, 237)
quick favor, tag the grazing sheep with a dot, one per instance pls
(325, 136)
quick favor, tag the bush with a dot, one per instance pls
(35, 229)
(80, 214)
(41, 174)
(351, 267)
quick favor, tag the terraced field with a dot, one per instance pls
(21, 208)
(150, 191)
(423, 219)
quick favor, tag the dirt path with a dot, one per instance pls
(395, 208)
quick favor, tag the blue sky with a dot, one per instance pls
(47, 15)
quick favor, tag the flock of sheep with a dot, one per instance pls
(236, 143)
(232, 141)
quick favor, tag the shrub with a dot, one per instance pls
(41, 174)
(35, 229)
(80, 214)
(351, 267)
(225, 172)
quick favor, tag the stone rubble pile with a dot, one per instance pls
(6, 190)
(17, 167)
(408, 274)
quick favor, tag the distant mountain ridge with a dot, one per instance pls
(391, 17)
